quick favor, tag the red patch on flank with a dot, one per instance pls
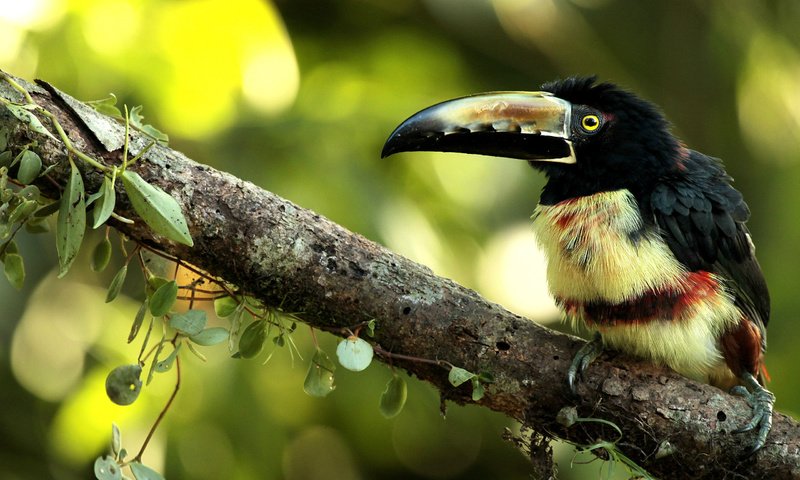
(741, 348)
(666, 303)
(698, 286)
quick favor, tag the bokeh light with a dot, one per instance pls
(513, 272)
(769, 113)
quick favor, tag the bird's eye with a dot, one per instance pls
(590, 123)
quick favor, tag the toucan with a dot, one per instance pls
(645, 239)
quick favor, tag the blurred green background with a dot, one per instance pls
(297, 96)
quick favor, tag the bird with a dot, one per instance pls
(645, 239)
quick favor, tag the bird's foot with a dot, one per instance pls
(583, 358)
(762, 401)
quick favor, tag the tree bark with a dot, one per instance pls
(284, 254)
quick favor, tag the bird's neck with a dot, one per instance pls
(635, 171)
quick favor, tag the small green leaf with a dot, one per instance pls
(137, 120)
(29, 192)
(18, 158)
(6, 158)
(371, 327)
(457, 376)
(71, 221)
(116, 439)
(23, 211)
(157, 208)
(156, 134)
(135, 116)
(105, 203)
(188, 323)
(394, 397)
(354, 353)
(477, 389)
(106, 468)
(26, 116)
(101, 255)
(319, 380)
(210, 336)
(138, 320)
(29, 167)
(123, 384)
(116, 284)
(152, 371)
(225, 306)
(236, 325)
(163, 299)
(48, 169)
(196, 352)
(166, 364)
(142, 472)
(154, 282)
(106, 106)
(11, 247)
(146, 335)
(93, 198)
(14, 268)
(252, 340)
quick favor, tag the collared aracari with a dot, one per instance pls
(645, 239)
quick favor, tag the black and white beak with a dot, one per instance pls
(526, 125)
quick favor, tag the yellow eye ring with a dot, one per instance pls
(590, 122)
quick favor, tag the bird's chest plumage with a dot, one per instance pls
(597, 248)
(608, 270)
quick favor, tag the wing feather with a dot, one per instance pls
(702, 219)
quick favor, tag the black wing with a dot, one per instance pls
(702, 219)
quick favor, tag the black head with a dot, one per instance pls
(587, 137)
(628, 143)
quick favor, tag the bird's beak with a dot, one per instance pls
(525, 125)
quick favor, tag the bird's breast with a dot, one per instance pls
(598, 248)
(609, 270)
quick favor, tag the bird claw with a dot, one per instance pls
(740, 391)
(586, 355)
(762, 401)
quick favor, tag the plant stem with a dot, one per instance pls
(68, 143)
(18, 88)
(138, 457)
(398, 356)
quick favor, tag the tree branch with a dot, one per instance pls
(284, 254)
